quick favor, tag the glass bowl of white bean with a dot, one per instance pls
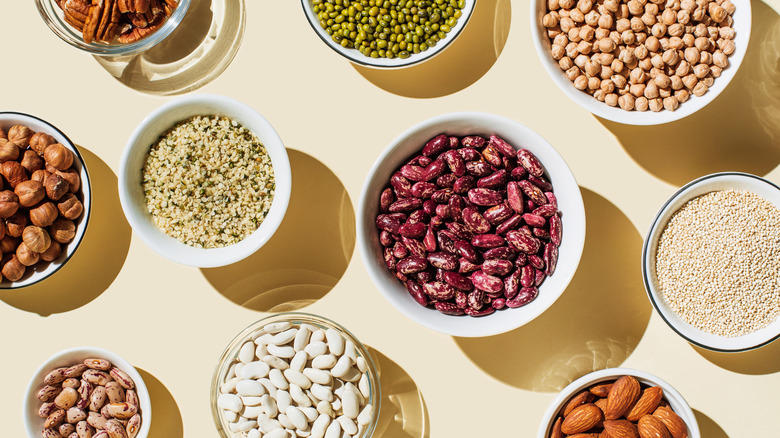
(295, 374)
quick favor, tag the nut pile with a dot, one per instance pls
(40, 200)
(93, 399)
(641, 54)
(470, 225)
(297, 381)
(623, 408)
(718, 262)
(125, 21)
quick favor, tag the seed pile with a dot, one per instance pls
(718, 263)
(208, 182)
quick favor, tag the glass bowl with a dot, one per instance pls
(54, 18)
(230, 357)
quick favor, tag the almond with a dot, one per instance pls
(646, 403)
(584, 435)
(581, 419)
(672, 421)
(556, 429)
(620, 429)
(623, 394)
(577, 400)
(601, 403)
(651, 427)
(601, 390)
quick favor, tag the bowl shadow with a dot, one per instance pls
(737, 131)
(166, 417)
(97, 261)
(461, 64)
(403, 413)
(763, 360)
(307, 255)
(194, 54)
(708, 427)
(596, 323)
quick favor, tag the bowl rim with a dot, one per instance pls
(643, 118)
(208, 257)
(358, 58)
(576, 230)
(46, 8)
(238, 340)
(86, 189)
(36, 381)
(651, 290)
(606, 374)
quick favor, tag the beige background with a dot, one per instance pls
(172, 322)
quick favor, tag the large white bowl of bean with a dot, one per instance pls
(710, 262)
(205, 180)
(641, 63)
(391, 34)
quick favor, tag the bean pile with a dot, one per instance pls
(470, 225)
(641, 54)
(388, 28)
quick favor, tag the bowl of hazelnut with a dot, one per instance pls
(45, 199)
(638, 62)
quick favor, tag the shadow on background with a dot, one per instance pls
(96, 262)
(461, 64)
(306, 256)
(403, 413)
(708, 427)
(764, 360)
(194, 54)
(737, 131)
(595, 324)
(166, 418)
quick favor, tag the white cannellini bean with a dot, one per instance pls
(252, 412)
(233, 427)
(349, 350)
(230, 416)
(277, 378)
(239, 365)
(231, 372)
(303, 433)
(269, 405)
(298, 362)
(310, 412)
(353, 375)
(317, 336)
(351, 387)
(264, 340)
(283, 352)
(350, 404)
(284, 420)
(297, 377)
(324, 362)
(230, 402)
(347, 425)
(333, 430)
(278, 433)
(254, 370)
(322, 392)
(251, 401)
(267, 424)
(342, 367)
(246, 353)
(317, 376)
(363, 386)
(284, 337)
(283, 400)
(296, 417)
(317, 348)
(299, 396)
(301, 338)
(254, 433)
(250, 388)
(365, 415)
(325, 408)
(318, 427)
(261, 350)
(335, 341)
(245, 426)
(276, 327)
(362, 364)
(269, 386)
(276, 362)
(229, 386)
(336, 403)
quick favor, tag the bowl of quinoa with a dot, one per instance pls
(711, 262)
(205, 180)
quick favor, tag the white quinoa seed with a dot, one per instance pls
(208, 182)
(718, 263)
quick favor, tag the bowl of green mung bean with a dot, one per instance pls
(388, 33)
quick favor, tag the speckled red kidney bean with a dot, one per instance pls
(445, 242)
(529, 161)
(467, 251)
(523, 242)
(434, 170)
(439, 290)
(412, 172)
(545, 211)
(525, 296)
(455, 162)
(455, 205)
(550, 258)
(412, 230)
(446, 180)
(464, 184)
(485, 282)
(527, 276)
(473, 141)
(477, 313)
(498, 303)
(509, 224)
(540, 182)
(478, 169)
(533, 193)
(514, 197)
(416, 291)
(493, 156)
(387, 223)
(556, 230)
(497, 267)
(512, 284)
(534, 220)
(500, 253)
(448, 308)
(457, 281)
(473, 219)
(411, 265)
(460, 231)
(415, 247)
(423, 189)
(551, 199)
(498, 213)
(541, 233)
(486, 241)
(476, 299)
(405, 205)
(400, 250)
(461, 299)
(443, 260)
(536, 261)
(401, 185)
(518, 173)
(424, 277)
(429, 241)
(495, 180)
(539, 277)
(386, 199)
(436, 145)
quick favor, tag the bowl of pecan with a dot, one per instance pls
(619, 402)
(112, 27)
(45, 199)
(471, 224)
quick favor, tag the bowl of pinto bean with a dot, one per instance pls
(471, 224)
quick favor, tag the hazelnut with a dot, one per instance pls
(9, 203)
(39, 141)
(58, 156)
(20, 135)
(2, 230)
(36, 238)
(13, 172)
(26, 256)
(13, 270)
(56, 186)
(30, 193)
(14, 225)
(8, 151)
(3, 134)
(52, 253)
(31, 161)
(40, 175)
(44, 214)
(63, 230)
(8, 245)
(70, 207)
(72, 177)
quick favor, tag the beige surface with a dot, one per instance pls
(172, 322)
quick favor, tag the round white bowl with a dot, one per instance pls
(33, 424)
(676, 401)
(461, 124)
(44, 270)
(131, 192)
(742, 24)
(358, 58)
(698, 187)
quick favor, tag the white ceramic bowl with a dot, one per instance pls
(742, 24)
(33, 424)
(461, 124)
(698, 187)
(358, 58)
(157, 123)
(43, 270)
(676, 401)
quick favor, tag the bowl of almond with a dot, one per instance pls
(619, 402)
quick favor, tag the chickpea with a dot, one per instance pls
(602, 33)
(727, 47)
(585, 47)
(705, 58)
(635, 7)
(700, 89)
(574, 35)
(558, 52)
(683, 68)
(652, 43)
(676, 82)
(645, 64)
(651, 90)
(690, 81)
(657, 61)
(662, 81)
(611, 99)
(592, 18)
(607, 85)
(553, 5)
(617, 65)
(577, 16)
(670, 57)
(550, 20)
(594, 83)
(572, 73)
(670, 103)
(688, 40)
(587, 33)
(637, 25)
(640, 52)
(565, 63)
(641, 104)
(581, 60)
(600, 95)
(619, 81)
(560, 40)
(612, 5)
(566, 24)
(682, 95)
(720, 59)
(715, 71)
(605, 22)
(692, 55)
(637, 76)
(623, 25)
(581, 82)
(676, 43)
(656, 104)
(626, 102)
(683, 17)
(592, 68)
(668, 17)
